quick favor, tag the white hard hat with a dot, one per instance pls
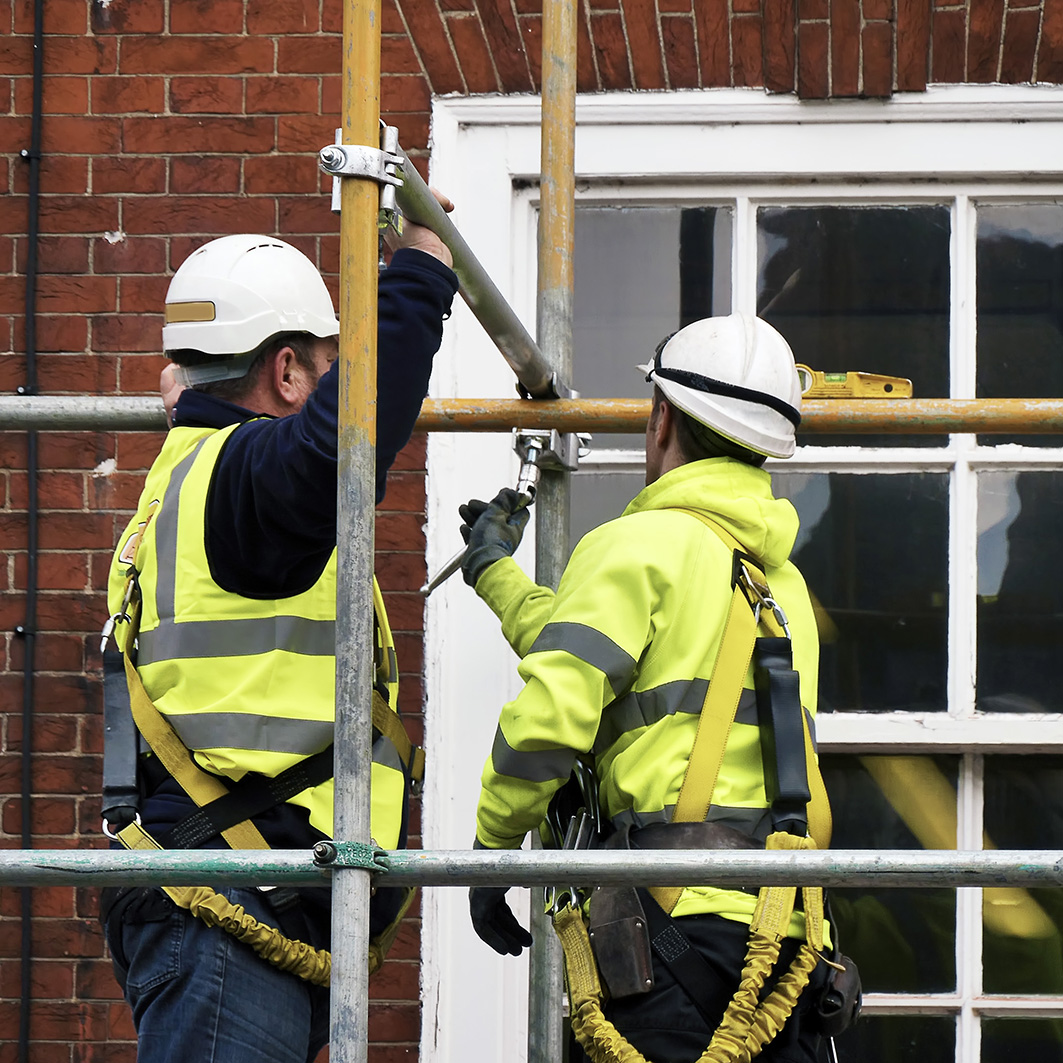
(736, 375)
(231, 295)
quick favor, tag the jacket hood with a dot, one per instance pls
(737, 496)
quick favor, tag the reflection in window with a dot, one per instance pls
(1008, 1040)
(1020, 306)
(1023, 945)
(1020, 596)
(903, 941)
(873, 550)
(860, 288)
(598, 497)
(899, 1039)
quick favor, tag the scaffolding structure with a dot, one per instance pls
(542, 369)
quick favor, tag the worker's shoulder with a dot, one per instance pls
(642, 532)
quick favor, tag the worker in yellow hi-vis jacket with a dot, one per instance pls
(617, 669)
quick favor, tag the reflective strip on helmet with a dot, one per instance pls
(590, 646)
(196, 311)
(250, 731)
(541, 765)
(733, 391)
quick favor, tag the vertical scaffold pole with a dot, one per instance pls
(554, 325)
(355, 535)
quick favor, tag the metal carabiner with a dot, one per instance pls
(111, 834)
(764, 601)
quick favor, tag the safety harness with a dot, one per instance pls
(800, 816)
(224, 807)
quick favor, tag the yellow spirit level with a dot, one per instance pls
(817, 385)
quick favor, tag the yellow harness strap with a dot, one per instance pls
(295, 957)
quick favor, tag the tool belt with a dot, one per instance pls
(628, 926)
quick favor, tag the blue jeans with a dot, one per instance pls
(199, 994)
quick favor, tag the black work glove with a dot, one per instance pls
(492, 530)
(494, 921)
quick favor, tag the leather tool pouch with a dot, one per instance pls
(618, 934)
(839, 1003)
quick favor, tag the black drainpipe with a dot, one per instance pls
(28, 630)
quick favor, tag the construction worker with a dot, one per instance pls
(233, 547)
(616, 668)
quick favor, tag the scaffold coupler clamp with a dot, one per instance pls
(382, 164)
(547, 448)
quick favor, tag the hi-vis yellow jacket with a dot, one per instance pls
(247, 684)
(617, 663)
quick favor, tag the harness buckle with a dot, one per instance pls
(762, 599)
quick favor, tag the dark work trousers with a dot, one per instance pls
(665, 1026)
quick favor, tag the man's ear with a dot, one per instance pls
(662, 424)
(286, 376)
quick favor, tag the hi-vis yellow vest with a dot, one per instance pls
(248, 684)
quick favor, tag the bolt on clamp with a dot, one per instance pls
(382, 165)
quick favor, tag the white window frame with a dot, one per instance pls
(959, 146)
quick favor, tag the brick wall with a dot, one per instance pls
(168, 124)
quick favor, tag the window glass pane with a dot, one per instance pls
(1020, 596)
(640, 274)
(598, 497)
(899, 1039)
(864, 289)
(1009, 1040)
(1020, 307)
(903, 940)
(873, 550)
(1022, 943)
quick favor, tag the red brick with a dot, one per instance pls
(127, 332)
(531, 31)
(78, 214)
(299, 132)
(282, 174)
(395, 1022)
(60, 17)
(1050, 50)
(306, 215)
(470, 44)
(125, 17)
(210, 215)
(14, 130)
(948, 46)
(812, 59)
(76, 450)
(81, 136)
(127, 174)
(913, 44)
(283, 95)
(677, 37)
(779, 38)
(204, 173)
(57, 490)
(81, 295)
(64, 332)
(281, 16)
(137, 450)
(400, 531)
(647, 64)
(58, 254)
(121, 490)
(196, 55)
(813, 10)
(127, 95)
(430, 38)
(138, 255)
(207, 16)
(610, 47)
(710, 21)
(878, 59)
(985, 23)
(308, 55)
(747, 43)
(746, 7)
(66, 373)
(5, 97)
(878, 10)
(507, 48)
(397, 56)
(48, 980)
(62, 95)
(194, 135)
(60, 572)
(404, 92)
(139, 294)
(206, 95)
(845, 47)
(1020, 44)
(400, 571)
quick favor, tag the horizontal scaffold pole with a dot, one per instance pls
(44, 413)
(451, 867)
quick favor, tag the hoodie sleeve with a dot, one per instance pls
(271, 521)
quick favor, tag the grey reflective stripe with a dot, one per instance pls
(811, 721)
(385, 754)
(756, 822)
(644, 708)
(590, 646)
(166, 537)
(172, 641)
(244, 730)
(540, 766)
